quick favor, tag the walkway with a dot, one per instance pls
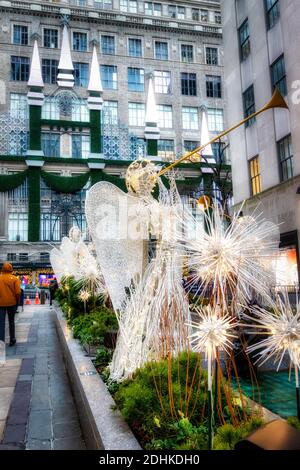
(37, 410)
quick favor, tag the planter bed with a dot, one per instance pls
(103, 428)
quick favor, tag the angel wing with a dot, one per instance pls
(58, 264)
(115, 222)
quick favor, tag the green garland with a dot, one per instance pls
(65, 184)
(9, 182)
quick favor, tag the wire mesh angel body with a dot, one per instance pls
(153, 324)
(149, 299)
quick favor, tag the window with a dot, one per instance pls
(136, 113)
(49, 70)
(110, 112)
(107, 45)
(249, 104)
(18, 226)
(81, 74)
(153, 9)
(187, 53)
(285, 152)
(11, 256)
(195, 14)
(135, 47)
(213, 86)
(219, 152)
(165, 116)
(204, 15)
(109, 77)
(19, 69)
(51, 38)
(50, 109)
(279, 76)
(161, 50)
(255, 177)
(20, 34)
(162, 82)
(176, 12)
(244, 38)
(51, 144)
(211, 54)
(23, 256)
(103, 4)
(80, 146)
(165, 149)
(215, 120)
(188, 84)
(190, 119)
(80, 111)
(129, 6)
(190, 145)
(79, 41)
(218, 17)
(19, 106)
(272, 12)
(44, 257)
(136, 79)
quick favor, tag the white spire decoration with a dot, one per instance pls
(95, 79)
(151, 118)
(35, 98)
(95, 100)
(65, 76)
(35, 76)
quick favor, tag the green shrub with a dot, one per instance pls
(91, 328)
(294, 422)
(68, 298)
(103, 357)
(228, 436)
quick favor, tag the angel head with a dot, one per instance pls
(141, 177)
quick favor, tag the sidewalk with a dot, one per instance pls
(37, 410)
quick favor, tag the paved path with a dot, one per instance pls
(37, 410)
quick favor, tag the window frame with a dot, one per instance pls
(189, 113)
(213, 86)
(19, 72)
(104, 81)
(286, 175)
(81, 81)
(111, 36)
(161, 86)
(250, 109)
(131, 38)
(271, 18)
(86, 49)
(207, 62)
(280, 83)
(136, 86)
(53, 71)
(245, 42)
(255, 176)
(158, 41)
(50, 29)
(188, 84)
(186, 59)
(21, 43)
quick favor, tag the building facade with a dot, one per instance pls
(262, 53)
(64, 125)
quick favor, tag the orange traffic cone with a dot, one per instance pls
(27, 301)
(36, 300)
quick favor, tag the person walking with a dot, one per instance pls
(10, 291)
(52, 289)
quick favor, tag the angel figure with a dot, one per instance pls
(148, 296)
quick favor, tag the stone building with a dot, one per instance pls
(64, 125)
(262, 52)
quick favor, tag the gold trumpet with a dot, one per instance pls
(277, 101)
